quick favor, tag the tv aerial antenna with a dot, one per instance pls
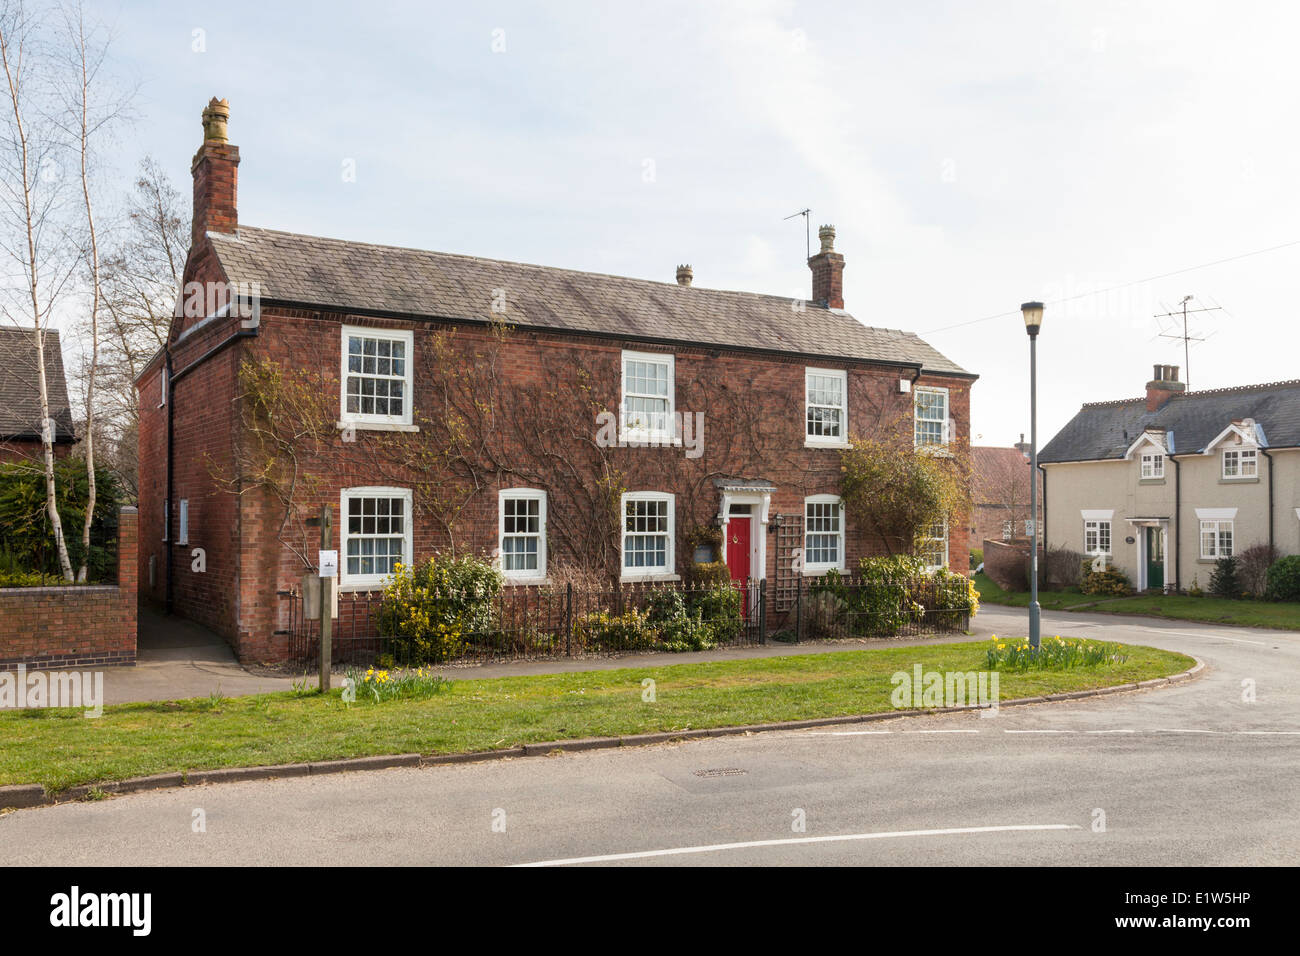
(807, 231)
(1185, 335)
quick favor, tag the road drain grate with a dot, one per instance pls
(720, 772)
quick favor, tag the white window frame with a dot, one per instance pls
(524, 576)
(362, 582)
(669, 569)
(1097, 524)
(1217, 527)
(375, 421)
(820, 567)
(1156, 461)
(842, 376)
(925, 551)
(1240, 457)
(945, 437)
(666, 433)
(183, 522)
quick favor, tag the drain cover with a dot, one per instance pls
(720, 772)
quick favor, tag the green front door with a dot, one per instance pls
(1155, 558)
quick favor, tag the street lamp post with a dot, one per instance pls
(1033, 313)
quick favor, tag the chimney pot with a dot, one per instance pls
(215, 118)
(685, 275)
(216, 172)
(827, 271)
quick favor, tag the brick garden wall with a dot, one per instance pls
(1007, 564)
(59, 627)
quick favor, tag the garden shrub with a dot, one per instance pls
(675, 627)
(429, 612)
(629, 631)
(1062, 568)
(955, 592)
(1252, 568)
(1284, 579)
(719, 606)
(1111, 582)
(1223, 579)
(25, 527)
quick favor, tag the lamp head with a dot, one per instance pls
(1033, 313)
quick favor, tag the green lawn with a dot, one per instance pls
(1209, 610)
(63, 748)
(990, 593)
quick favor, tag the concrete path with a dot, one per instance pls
(177, 658)
(1194, 774)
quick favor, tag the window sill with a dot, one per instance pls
(815, 443)
(644, 578)
(819, 572)
(376, 426)
(355, 587)
(648, 440)
(525, 582)
(1151, 481)
(1212, 560)
(943, 451)
(1249, 480)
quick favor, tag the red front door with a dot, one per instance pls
(738, 548)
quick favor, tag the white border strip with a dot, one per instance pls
(679, 851)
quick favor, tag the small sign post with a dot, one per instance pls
(329, 571)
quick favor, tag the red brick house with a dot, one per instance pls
(552, 418)
(20, 397)
(1000, 500)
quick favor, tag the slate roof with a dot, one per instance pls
(332, 273)
(1107, 429)
(20, 403)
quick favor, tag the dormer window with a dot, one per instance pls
(1241, 463)
(1153, 465)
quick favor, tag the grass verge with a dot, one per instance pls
(1284, 615)
(62, 748)
(991, 593)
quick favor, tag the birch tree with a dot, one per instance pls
(30, 202)
(88, 113)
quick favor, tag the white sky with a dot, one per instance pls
(971, 157)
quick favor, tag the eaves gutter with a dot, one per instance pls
(918, 367)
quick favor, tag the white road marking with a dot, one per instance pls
(1287, 733)
(940, 731)
(1209, 637)
(792, 841)
(1183, 730)
(1110, 731)
(1040, 731)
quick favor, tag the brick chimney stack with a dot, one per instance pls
(827, 272)
(1163, 386)
(216, 174)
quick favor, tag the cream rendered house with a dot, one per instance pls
(1165, 485)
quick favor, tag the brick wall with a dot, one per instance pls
(60, 627)
(1007, 564)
